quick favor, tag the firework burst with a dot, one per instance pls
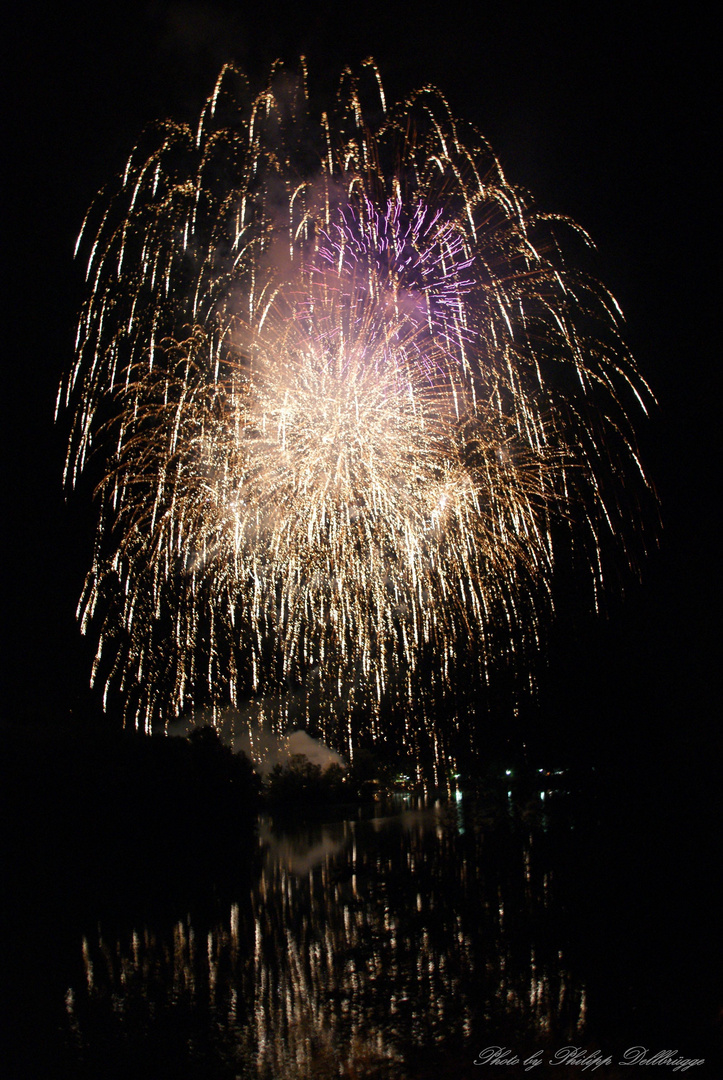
(348, 396)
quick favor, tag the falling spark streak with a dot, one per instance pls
(347, 410)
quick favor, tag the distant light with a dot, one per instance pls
(458, 795)
(508, 772)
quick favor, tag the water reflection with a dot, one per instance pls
(362, 944)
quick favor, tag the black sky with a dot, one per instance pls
(607, 117)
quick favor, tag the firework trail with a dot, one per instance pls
(349, 403)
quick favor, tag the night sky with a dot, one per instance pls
(602, 116)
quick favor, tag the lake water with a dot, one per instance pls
(401, 942)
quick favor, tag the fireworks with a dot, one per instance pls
(349, 401)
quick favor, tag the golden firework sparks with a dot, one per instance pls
(347, 392)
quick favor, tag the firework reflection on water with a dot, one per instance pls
(363, 945)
